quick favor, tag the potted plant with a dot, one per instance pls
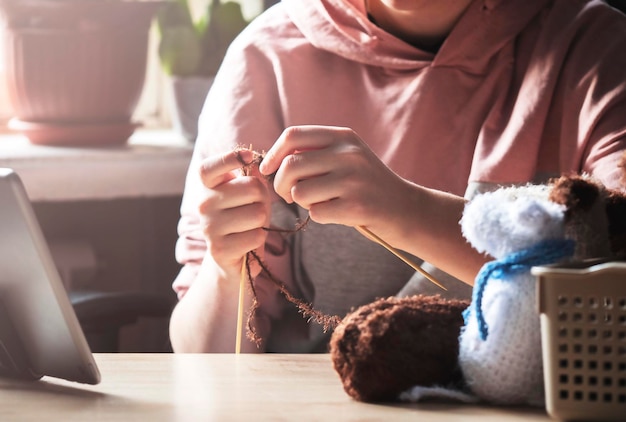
(75, 68)
(191, 52)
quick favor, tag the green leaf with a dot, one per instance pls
(174, 13)
(197, 48)
(180, 50)
(225, 22)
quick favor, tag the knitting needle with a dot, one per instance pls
(243, 278)
(370, 235)
(242, 285)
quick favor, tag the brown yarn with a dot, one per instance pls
(306, 309)
(389, 345)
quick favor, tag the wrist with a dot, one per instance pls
(423, 219)
(223, 277)
(397, 222)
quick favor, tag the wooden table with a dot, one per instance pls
(168, 387)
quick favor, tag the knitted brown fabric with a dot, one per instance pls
(383, 348)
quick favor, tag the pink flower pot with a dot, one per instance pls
(76, 65)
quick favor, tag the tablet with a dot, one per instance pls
(39, 332)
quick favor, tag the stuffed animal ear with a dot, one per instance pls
(581, 194)
(576, 193)
(388, 346)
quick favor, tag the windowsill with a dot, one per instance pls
(153, 163)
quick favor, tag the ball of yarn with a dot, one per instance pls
(385, 347)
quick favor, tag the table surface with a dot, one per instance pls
(221, 387)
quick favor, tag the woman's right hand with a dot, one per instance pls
(234, 211)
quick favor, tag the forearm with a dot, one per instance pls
(205, 319)
(428, 227)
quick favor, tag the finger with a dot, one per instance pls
(233, 247)
(237, 220)
(218, 169)
(317, 189)
(334, 211)
(299, 167)
(239, 191)
(244, 222)
(295, 139)
(236, 206)
(332, 199)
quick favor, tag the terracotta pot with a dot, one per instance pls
(76, 64)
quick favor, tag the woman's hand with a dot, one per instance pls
(234, 211)
(331, 172)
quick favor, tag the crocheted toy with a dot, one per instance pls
(392, 344)
(424, 346)
(500, 344)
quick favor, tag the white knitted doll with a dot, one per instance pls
(500, 344)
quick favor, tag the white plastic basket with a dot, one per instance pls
(583, 326)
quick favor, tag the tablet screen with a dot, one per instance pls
(39, 333)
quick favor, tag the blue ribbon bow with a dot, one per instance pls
(546, 252)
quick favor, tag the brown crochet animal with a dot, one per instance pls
(392, 344)
(385, 347)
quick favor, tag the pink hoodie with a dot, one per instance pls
(521, 90)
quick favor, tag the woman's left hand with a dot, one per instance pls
(332, 173)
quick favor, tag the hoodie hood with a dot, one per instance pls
(343, 28)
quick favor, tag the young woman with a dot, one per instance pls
(382, 114)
